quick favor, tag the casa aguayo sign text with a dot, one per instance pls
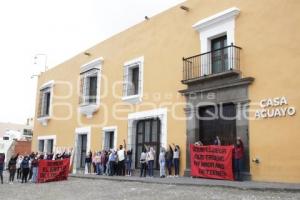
(274, 107)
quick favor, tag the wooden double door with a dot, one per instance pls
(148, 134)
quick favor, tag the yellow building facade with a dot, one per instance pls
(149, 84)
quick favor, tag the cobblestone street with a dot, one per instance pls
(76, 188)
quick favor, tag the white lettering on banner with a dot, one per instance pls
(268, 111)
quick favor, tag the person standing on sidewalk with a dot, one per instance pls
(150, 159)
(143, 163)
(88, 162)
(176, 157)
(34, 168)
(2, 159)
(102, 162)
(112, 162)
(169, 160)
(25, 169)
(128, 161)
(98, 163)
(238, 158)
(12, 168)
(19, 171)
(121, 161)
(162, 162)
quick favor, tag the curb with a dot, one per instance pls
(153, 181)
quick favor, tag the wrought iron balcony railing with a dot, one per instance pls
(213, 62)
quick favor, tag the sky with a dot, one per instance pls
(54, 31)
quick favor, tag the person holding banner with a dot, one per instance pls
(238, 153)
(217, 141)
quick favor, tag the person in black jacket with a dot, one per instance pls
(169, 160)
(88, 161)
(12, 168)
(25, 169)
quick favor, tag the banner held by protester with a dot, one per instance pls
(53, 170)
(211, 162)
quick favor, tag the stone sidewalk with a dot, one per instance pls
(189, 181)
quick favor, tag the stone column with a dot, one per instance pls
(191, 134)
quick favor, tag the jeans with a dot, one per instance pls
(150, 167)
(19, 173)
(176, 166)
(143, 169)
(112, 168)
(169, 166)
(98, 168)
(34, 174)
(1, 173)
(107, 171)
(238, 164)
(162, 171)
(128, 167)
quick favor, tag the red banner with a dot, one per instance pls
(53, 170)
(211, 162)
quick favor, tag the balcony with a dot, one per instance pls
(211, 64)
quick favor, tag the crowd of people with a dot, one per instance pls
(119, 162)
(114, 162)
(25, 168)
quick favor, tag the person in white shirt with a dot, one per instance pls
(143, 163)
(176, 157)
(19, 172)
(121, 161)
(150, 160)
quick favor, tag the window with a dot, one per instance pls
(219, 55)
(27, 132)
(46, 143)
(41, 145)
(44, 106)
(50, 146)
(89, 93)
(109, 137)
(90, 79)
(109, 140)
(133, 80)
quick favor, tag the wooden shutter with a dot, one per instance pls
(81, 89)
(39, 114)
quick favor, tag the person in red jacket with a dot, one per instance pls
(238, 158)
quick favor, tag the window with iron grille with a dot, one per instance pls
(132, 79)
(89, 87)
(44, 102)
